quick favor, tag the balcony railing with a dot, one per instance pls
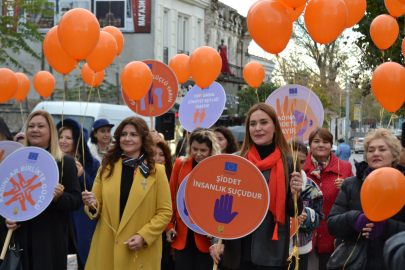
(183, 52)
(236, 70)
(166, 55)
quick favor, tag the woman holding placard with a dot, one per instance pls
(70, 142)
(347, 219)
(191, 249)
(131, 198)
(328, 172)
(266, 147)
(44, 239)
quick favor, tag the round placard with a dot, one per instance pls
(27, 181)
(161, 95)
(202, 107)
(8, 147)
(291, 104)
(181, 207)
(227, 196)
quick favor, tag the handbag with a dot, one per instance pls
(349, 255)
(12, 260)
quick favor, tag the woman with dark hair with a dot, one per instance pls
(164, 158)
(265, 146)
(226, 140)
(100, 138)
(328, 172)
(44, 239)
(191, 249)
(131, 194)
(69, 141)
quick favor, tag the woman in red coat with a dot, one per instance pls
(328, 172)
(191, 249)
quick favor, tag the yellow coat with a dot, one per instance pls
(147, 213)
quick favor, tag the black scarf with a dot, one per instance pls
(127, 161)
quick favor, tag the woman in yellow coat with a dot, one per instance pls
(131, 198)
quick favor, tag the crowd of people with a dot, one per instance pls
(115, 204)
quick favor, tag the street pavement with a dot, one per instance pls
(358, 157)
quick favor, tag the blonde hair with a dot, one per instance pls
(203, 135)
(392, 142)
(54, 149)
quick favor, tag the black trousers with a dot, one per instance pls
(190, 258)
(250, 266)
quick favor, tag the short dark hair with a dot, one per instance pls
(93, 138)
(323, 133)
(341, 140)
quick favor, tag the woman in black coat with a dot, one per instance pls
(347, 220)
(44, 239)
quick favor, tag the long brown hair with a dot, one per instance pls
(232, 145)
(278, 137)
(162, 144)
(115, 151)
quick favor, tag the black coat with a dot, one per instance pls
(347, 208)
(5, 130)
(44, 239)
(264, 251)
(394, 252)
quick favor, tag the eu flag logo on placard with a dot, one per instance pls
(33, 156)
(231, 166)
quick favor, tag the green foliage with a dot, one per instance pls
(248, 96)
(372, 56)
(325, 124)
(14, 42)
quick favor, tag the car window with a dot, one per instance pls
(360, 140)
(88, 121)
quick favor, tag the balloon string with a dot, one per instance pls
(99, 97)
(80, 101)
(22, 114)
(352, 252)
(258, 100)
(392, 114)
(119, 62)
(381, 116)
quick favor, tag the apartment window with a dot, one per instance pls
(182, 34)
(199, 33)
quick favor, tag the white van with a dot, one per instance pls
(74, 110)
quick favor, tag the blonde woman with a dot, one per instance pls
(346, 219)
(191, 249)
(44, 239)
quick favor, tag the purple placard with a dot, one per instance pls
(202, 111)
(181, 207)
(27, 181)
(8, 147)
(297, 126)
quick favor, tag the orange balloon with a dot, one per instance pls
(388, 84)
(384, 31)
(104, 53)
(382, 194)
(270, 25)
(136, 79)
(56, 55)
(90, 77)
(326, 19)
(205, 66)
(294, 12)
(116, 33)
(44, 83)
(24, 86)
(402, 1)
(254, 74)
(295, 3)
(180, 66)
(78, 33)
(8, 84)
(395, 8)
(356, 10)
(403, 46)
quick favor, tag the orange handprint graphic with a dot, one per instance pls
(1, 156)
(22, 191)
(287, 116)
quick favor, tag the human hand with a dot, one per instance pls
(79, 169)
(57, 192)
(154, 133)
(303, 217)
(89, 199)
(296, 182)
(214, 252)
(339, 182)
(287, 122)
(135, 242)
(169, 235)
(11, 224)
(374, 230)
(361, 222)
(223, 209)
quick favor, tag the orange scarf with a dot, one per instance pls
(276, 183)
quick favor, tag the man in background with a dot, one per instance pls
(344, 152)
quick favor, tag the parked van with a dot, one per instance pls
(75, 110)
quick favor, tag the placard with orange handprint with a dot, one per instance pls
(297, 117)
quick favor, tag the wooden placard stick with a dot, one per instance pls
(218, 250)
(6, 243)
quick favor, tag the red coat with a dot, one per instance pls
(202, 241)
(330, 192)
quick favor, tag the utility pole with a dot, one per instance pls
(361, 113)
(347, 125)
